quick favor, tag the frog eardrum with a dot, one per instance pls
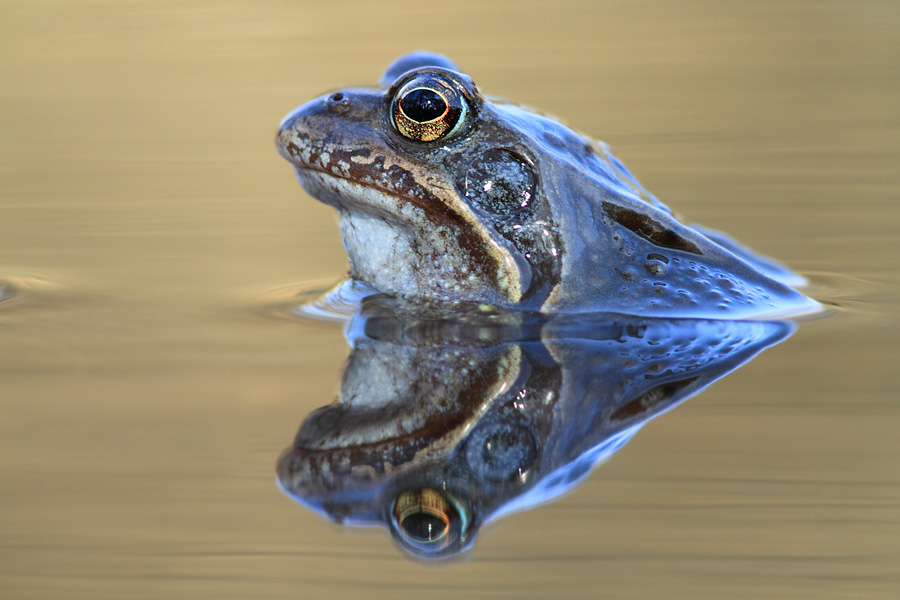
(499, 181)
(428, 107)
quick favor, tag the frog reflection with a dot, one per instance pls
(444, 426)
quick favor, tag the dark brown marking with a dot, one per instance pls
(646, 401)
(652, 231)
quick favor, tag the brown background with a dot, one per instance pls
(144, 214)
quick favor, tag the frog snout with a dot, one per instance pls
(286, 137)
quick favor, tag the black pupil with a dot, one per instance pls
(423, 105)
(423, 527)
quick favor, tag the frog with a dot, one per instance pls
(447, 196)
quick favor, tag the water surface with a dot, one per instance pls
(147, 228)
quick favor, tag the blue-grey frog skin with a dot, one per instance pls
(448, 196)
(440, 429)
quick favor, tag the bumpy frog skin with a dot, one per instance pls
(448, 196)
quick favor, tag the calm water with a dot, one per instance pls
(147, 227)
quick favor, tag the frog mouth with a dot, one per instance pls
(406, 237)
(350, 195)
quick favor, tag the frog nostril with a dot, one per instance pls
(338, 102)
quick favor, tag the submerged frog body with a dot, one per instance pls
(447, 196)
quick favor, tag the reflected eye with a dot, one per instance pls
(426, 522)
(428, 108)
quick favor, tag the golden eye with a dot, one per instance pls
(428, 108)
(429, 523)
(424, 516)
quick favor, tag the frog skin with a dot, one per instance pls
(455, 427)
(447, 196)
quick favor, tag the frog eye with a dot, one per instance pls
(428, 108)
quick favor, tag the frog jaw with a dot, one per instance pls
(409, 249)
